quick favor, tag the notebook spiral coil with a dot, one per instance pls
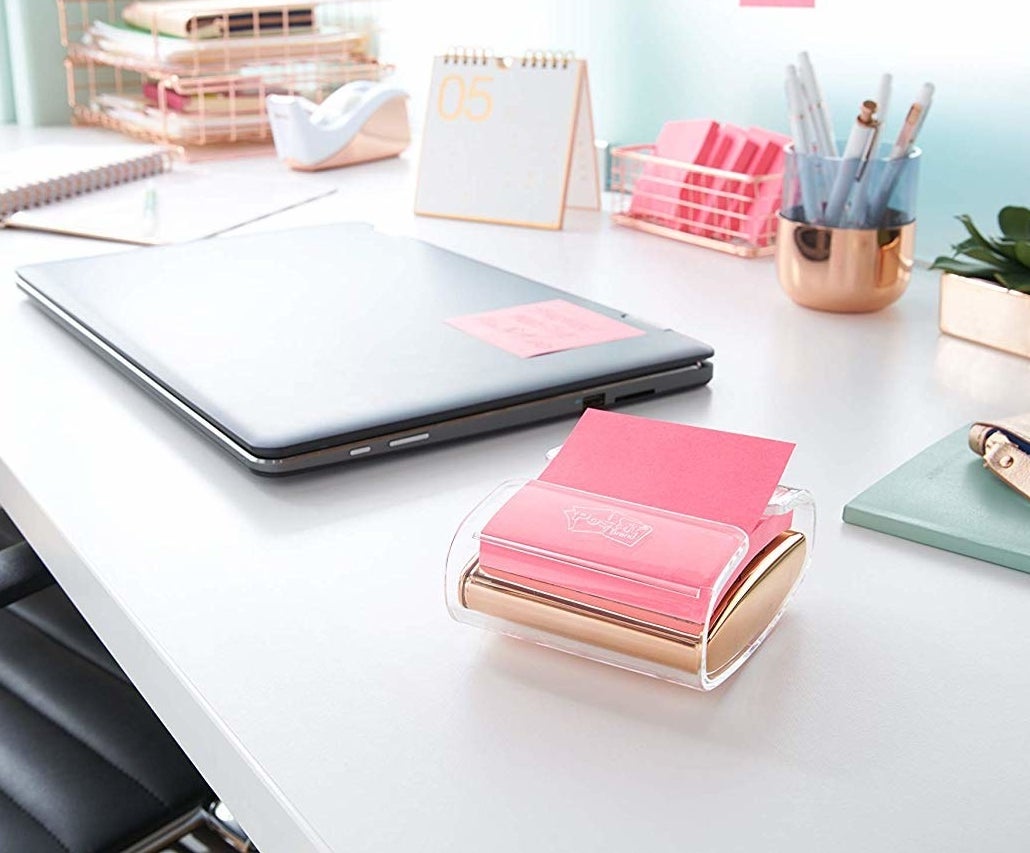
(42, 192)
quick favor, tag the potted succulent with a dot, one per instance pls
(985, 285)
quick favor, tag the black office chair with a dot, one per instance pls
(85, 765)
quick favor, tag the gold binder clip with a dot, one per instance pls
(1005, 448)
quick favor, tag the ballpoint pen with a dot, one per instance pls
(857, 213)
(883, 97)
(910, 128)
(859, 148)
(826, 144)
(801, 132)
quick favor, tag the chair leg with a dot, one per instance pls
(214, 818)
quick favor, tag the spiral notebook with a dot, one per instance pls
(508, 139)
(36, 176)
(132, 194)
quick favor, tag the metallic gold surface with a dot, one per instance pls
(754, 599)
(843, 269)
(986, 313)
(746, 610)
(386, 134)
(998, 442)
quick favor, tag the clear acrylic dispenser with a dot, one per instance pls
(668, 595)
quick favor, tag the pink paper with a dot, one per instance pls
(740, 154)
(768, 194)
(613, 542)
(721, 476)
(659, 192)
(627, 555)
(539, 328)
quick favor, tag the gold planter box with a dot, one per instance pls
(986, 313)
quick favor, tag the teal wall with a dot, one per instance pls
(32, 78)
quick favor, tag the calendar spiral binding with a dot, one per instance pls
(547, 58)
(468, 56)
(529, 59)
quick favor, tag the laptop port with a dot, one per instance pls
(594, 401)
(638, 395)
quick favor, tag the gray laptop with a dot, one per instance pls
(301, 348)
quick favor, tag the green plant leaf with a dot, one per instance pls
(1015, 280)
(1014, 222)
(1023, 253)
(988, 256)
(974, 233)
(966, 268)
(1004, 246)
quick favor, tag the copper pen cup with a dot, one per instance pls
(845, 236)
(843, 269)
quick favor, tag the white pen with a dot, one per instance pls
(799, 129)
(883, 99)
(861, 141)
(817, 104)
(899, 153)
(913, 122)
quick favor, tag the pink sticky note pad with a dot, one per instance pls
(621, 535)
(740, 151)
(659, 192)
(592, 549)
(539, 328)
(757, 214)
(721, 476)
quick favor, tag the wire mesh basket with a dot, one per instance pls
(729, 211)
(207, 86)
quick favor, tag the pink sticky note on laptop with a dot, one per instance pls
(539, 328)
(660, 193)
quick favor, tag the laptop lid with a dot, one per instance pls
(290, 342)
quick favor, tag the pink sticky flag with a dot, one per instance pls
(539, 328)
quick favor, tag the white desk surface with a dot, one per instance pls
(293, 636)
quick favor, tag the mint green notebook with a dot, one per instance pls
(945, 498)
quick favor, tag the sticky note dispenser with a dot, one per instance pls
(661, 593)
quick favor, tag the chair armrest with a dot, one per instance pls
(21, 573)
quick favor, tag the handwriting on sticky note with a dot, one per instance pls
(540, 328)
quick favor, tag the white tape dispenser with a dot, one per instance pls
(359, 122)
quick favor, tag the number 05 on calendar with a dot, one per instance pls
(508, 139)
